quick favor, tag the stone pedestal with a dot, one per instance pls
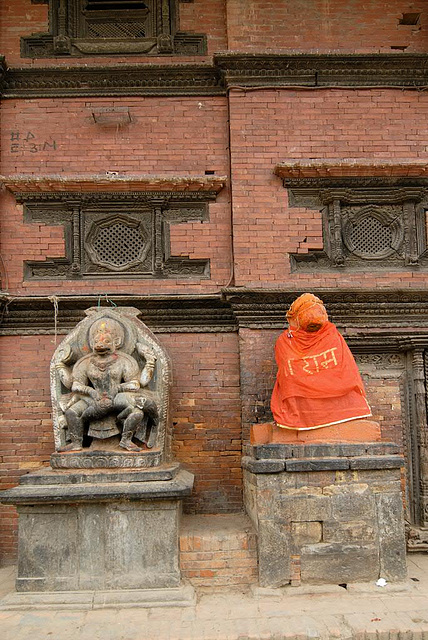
(99, 530)
(326, 513)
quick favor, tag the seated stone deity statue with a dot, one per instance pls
(108, 382)
(318, 383)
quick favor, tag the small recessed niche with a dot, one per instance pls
(410, 18)
(112, 116)
(209, 172)
(399, 48)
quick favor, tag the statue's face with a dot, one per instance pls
(104, 342)
(313, 327)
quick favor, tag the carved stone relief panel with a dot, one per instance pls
(403, 396)
(110, 386)
(366, 228)
(116, 234)
(387, 379)
(123, 27)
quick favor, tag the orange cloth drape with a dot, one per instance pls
(318, 382)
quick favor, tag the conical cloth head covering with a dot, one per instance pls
(307, 309)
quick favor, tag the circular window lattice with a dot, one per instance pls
(370, 237)
(118, 244)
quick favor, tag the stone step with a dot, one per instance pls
(218, 550)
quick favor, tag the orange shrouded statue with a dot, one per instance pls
(318, 383)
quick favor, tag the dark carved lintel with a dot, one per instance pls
(98, 197)
(324, 70)
(163, 314)
(408, 71)
(123, 80)
(389, 321)
(402, 315)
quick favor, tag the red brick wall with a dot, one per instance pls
(346, 25)
(385, 381)
(171, 136)
(206, 16)
(201, 16)
(218, 551)
(254, 25)
(207, 417)
(205, 414)
(26, 438)
(268, 127)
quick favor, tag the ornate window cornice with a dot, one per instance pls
(112, 183)
(373, 214)
(115, 226)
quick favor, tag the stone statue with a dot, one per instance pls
(318, 393)
(110, 377)
(318, 383)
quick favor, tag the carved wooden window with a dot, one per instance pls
(366, 228)
(117, 19)
(116, 235)
(119, 243)
(108, 27)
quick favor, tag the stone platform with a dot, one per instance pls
(326, 513)
(99, 530)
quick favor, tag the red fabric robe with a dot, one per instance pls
(318, 383)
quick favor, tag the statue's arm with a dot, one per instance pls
(62, 367)
(65, 374)
(149, 367)
(80, 381)
(130, 375)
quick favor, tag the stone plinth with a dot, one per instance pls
(99, 530)
(349, 431)
(106, 460)
(326, 513)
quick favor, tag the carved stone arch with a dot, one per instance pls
(136, 339)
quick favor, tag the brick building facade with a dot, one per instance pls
(206, 161)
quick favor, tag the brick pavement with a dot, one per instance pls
(361, 612)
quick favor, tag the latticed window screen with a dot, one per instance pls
(116, 29)
(117, 19)
(114, 5)
(118, 244)
(370, 237)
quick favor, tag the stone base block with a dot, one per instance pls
(349, 431)
(93, 459)
(183, 596)
(335, 517)
(107, 534)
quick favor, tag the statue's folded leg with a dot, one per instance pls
(130, 426)
(75, 431)
(153, 435)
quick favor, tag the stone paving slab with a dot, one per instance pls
(395, 612)
(183, 596)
